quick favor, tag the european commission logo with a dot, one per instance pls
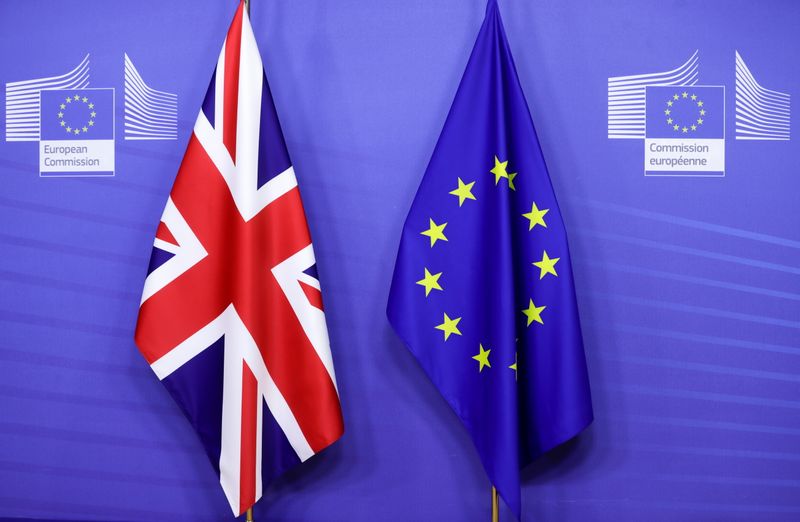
(682, 123)
(684, 131)
(76, 132)
(74, 124)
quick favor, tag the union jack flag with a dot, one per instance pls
(231, 318)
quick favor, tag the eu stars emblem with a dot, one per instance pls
(482, 293)
(76, 132)
(82, 114)
(684, 130)
(76, 114)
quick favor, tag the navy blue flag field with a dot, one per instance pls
(483, 294)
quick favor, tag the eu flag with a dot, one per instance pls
(483, 294)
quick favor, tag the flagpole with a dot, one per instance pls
(250, 515)
(495, 506)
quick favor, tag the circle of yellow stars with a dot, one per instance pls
(691, 97)
(431, 281)
(69, 101)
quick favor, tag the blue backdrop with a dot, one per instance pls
(689, 288)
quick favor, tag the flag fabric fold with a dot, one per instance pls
(483, 293)
(231, 318)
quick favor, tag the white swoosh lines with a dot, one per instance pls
(22, 100)
(626, 97)
(761, 114)
(149, 114)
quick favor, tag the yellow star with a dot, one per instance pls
(669, 103)
(669, 121)
(514, 366)
(694, 97)
(62, 106)
(534, 313)
(63, 123)
(699, 121)
(69, 100)
(91, 105)
(91, 123)
(77, 131)
(511, 177)
(684, 94)
(92, 114)
(482, 358)
(60, 114)
(546, 265)
(464, 191)
(435, 232)
(430, 282)
(675, 127)
(77, 97)
(85, 129)
(674, 96)
(449, 326)
(536, 216)
(499, 170)
(667, 112)
(69, 129)
(85, 99)
(694, 127)
(700, 104)
(684, 129)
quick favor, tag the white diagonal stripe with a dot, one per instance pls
(188, 252)
(289, 274)
(239, 347)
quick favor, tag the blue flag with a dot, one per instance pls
(483, 294)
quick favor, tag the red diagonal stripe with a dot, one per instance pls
(294, 365)
(163, 233)
(313, 295)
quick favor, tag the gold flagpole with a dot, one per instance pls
(495, 506)
(250, 515)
